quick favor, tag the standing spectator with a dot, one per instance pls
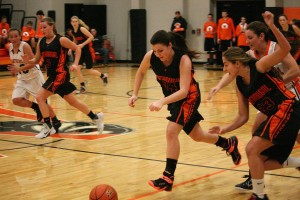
(4, 28)
(179, 24)
(28, 34)
(240, 33)
(210, 33)
(226, 32)
(83, 38)
(40, 15)
(98, 45)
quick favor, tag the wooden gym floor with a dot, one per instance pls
(131, 150)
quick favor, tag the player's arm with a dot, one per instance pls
(225, 80)
(139, 77)
(293, 69)
(267, 62)
(68, 44)
(88, 34)
(241, 118)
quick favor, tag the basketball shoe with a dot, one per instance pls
(56, 125)
(45, 132)
(255, 197)
(246, 185)
(82, 90)
(105, 79)
(233, 150)
(99, 122)
(165, 182)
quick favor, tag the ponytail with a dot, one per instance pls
(178, 42)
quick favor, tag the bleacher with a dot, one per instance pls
(16, 19)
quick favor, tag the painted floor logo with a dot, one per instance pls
(75, 130)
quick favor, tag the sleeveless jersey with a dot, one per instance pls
(169, 77)
(79, 36)
(265, 91)
(294, 85)
(55, 60)
(17, 60)
(292, 38)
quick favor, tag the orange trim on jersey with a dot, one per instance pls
(280, 85)
(188, 106)
(266, 52)
(279, 119)
(61, 72)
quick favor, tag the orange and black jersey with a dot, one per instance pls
(79, 36)
(54, 56)
(265, 92)
(169, 77)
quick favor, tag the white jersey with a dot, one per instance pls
(17, 60)
(294, 85)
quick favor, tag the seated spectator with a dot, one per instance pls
(4, 28)
(98, 46)
(28, 35)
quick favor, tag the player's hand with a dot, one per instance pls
(216, 130)
(13, 69)
(73, 68)
(156, 106)
(212, 92)
(268, 17)
(132, 100)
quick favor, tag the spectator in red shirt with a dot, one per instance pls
(210, 33)
(28, 34)
(240, 33)
(226, 31)
(4, 28)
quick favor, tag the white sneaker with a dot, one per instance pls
(45, 132)
(99, 122)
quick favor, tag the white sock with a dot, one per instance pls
(291, 162)
(258, 187)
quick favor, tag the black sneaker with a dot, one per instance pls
(233, 150)
(39, 116)
(105, 79)
(255, 197)
(162, 183)
(298, 168)
(246, 185)
(56, 125)
(82, 90)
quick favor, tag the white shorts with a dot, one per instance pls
(24, 88)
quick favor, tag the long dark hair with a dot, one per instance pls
(177, 40)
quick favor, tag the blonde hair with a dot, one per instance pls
(81, 22)
(234, 54)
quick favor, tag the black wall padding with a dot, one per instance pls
(51, 13)
(138, 34)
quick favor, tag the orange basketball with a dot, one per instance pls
(103, 192)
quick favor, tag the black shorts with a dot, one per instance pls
(86, 57)
(209, 44)
(185, 112)
(282, 130)
(62, 90)
(225, 44)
